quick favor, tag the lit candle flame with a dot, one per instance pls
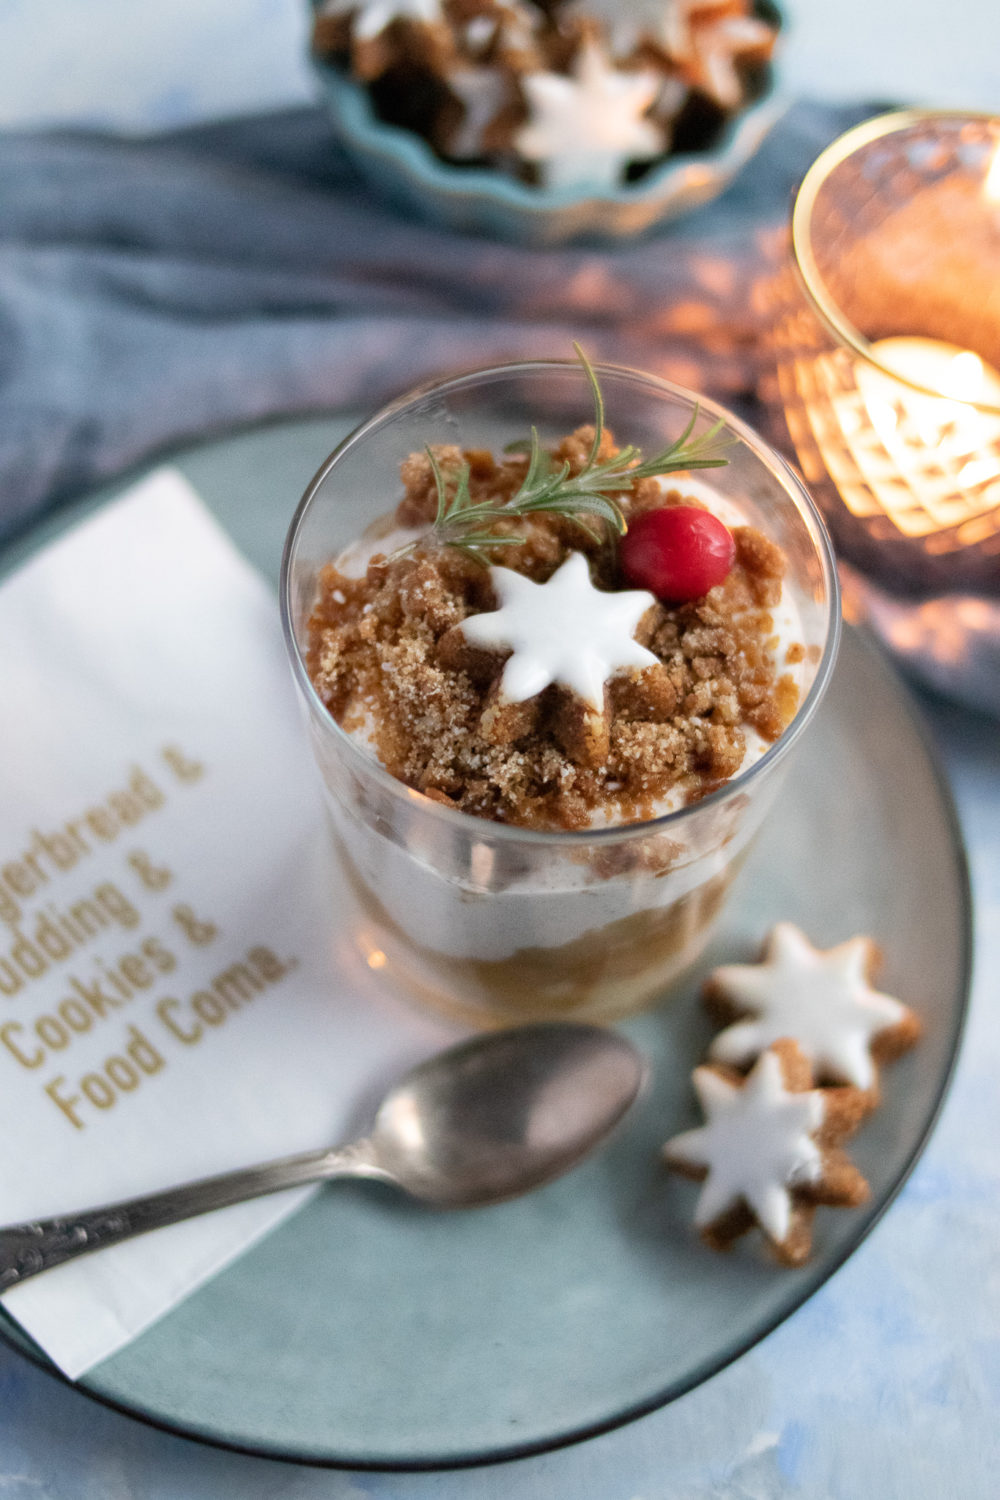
(898, 413)
(991, 186)
(963, 380)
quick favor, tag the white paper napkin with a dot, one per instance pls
(176, 996)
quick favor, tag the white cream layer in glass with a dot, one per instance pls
(569, 902)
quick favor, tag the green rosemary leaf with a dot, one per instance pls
(442, 493)
(551, 486)
(401, 552)
(470, 552)
(710, 433)
(490, 539)
(461, 501)
(567, 503)
(682, 440)
(704, 463)
(542, 474)
(621, 460)
(709, 436)
(682, 454)
(472, 514)
(595, 536)
(598, 397)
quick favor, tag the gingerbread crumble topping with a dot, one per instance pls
(389, 660)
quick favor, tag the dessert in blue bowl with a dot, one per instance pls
(548, 121)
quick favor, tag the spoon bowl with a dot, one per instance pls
(498, 1116)
(484, 1121)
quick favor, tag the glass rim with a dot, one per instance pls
(568, 838)
(821, 301)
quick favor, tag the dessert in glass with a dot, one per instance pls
(557, 630)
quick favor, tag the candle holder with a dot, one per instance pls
(886, 332)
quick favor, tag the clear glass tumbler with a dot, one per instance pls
(498, 924)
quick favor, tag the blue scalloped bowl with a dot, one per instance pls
(401, 167)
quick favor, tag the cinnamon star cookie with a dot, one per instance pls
(769, 1151)
(821, 997)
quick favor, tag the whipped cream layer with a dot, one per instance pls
(561, 899)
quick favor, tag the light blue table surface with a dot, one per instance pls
(886, 1384)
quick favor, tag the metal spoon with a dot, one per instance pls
(487, 1120)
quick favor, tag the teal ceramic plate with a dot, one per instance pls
(370, 1332)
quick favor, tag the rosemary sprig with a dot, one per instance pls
(460, 522)
(458, 516)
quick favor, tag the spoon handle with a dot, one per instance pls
(27, 1249)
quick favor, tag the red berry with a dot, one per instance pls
(678, 553)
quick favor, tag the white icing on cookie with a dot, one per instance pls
(672, 94)
(483, 92)
(822, 999)
(704, 38)
(628, 22)
(683, 22)
(718, 49)
(479, 32)
(623, 25)
(563, 631)
(585, 128)
(372, 16)
(519, 25)
(757, 1144)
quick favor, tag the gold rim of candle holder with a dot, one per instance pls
(823, 304)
